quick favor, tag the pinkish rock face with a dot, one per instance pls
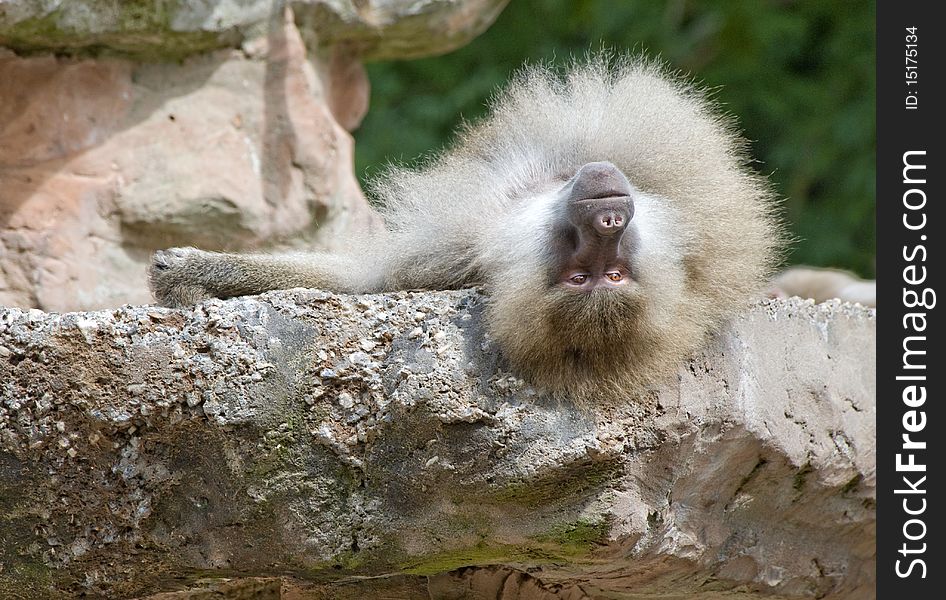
(103, 161)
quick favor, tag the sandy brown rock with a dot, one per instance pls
(186, 123)
(329, 438)
(104, 161)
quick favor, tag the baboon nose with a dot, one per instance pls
(599, 199)
(599, 180)
(609, 221)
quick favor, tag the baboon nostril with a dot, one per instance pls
(608, 222)
(611, 221)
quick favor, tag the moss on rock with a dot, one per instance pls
(138, 29)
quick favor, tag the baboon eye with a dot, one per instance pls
(614, 276)
(579, 279)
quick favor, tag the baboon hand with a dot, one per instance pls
(176, 276)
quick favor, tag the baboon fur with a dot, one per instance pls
(481, 214)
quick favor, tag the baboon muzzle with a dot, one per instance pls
(593, 253)
(599, 201)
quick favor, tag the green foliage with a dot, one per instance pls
(799, 75)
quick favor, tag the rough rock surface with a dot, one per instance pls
(389, 29)
(176, 28)
(375, 446)
(107, 156)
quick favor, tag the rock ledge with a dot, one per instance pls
(324, 438)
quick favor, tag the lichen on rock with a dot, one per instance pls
(174, 29)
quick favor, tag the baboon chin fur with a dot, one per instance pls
(698, 242)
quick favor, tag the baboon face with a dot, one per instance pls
(592, 241)
(580, 309)
(594, 293)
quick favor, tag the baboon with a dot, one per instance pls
(607, 210)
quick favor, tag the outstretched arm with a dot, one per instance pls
(185, 276)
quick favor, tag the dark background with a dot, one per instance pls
(799, 75)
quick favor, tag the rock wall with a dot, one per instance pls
(131, 126)
(314, 445)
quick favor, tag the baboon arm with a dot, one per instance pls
(184, 276)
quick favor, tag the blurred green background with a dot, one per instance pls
(799, 75)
